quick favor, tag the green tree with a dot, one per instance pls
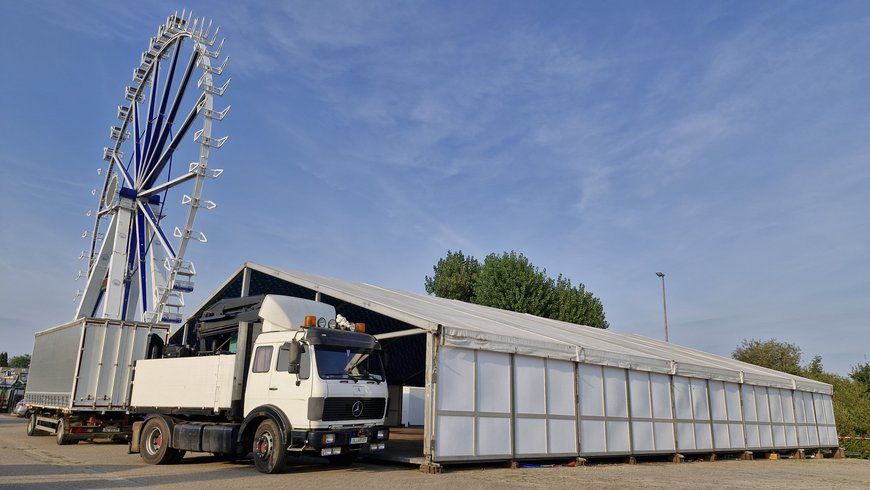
(861, 375)
(454, 278)
(576, 305)
(4, 359)
(772, 354)
(22, 361)
(510, 281)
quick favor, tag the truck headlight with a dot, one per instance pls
(381, 434)
(328, 439)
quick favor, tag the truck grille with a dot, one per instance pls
(343, 408)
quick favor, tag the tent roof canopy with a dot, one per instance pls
(482, 327)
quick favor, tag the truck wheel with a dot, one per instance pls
(31, 425)
(155, 443)
(345, 459)
(269, 453)
(61, 436)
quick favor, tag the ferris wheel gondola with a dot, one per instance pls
(156, 168)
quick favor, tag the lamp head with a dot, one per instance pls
(660, 274)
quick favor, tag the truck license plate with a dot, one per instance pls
(359, 440)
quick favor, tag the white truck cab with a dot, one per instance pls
(311, 384)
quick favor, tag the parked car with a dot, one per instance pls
(20, 409)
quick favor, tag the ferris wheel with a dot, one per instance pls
(156, 168)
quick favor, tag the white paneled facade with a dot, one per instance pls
(498, 406)
(502, 385)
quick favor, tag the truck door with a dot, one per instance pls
(290, 392)
(259, 383)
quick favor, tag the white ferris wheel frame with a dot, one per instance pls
(139, 267)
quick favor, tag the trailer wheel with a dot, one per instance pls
(269, 453)
(61, 436)
(156, 441)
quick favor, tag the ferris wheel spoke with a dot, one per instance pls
(155, 227)
(173, 112)
(136, 140)
(158, 124)
(167, 185)
(123, 172)
(152, 99)
(157, 167)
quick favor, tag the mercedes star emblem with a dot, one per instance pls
(357, 409)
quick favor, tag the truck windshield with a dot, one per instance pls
(348, 363)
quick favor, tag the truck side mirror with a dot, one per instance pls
(295, 353)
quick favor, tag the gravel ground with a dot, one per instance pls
(37, 462)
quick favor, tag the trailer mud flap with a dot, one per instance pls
(133, 447)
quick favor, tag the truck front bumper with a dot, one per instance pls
(328, 442)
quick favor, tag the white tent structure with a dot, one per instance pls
(501, 385)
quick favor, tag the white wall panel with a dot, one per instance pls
(642, 436)
(456, 379)
(700, 406)
(682, 398)
(591, 390)
(787, 398)
(703, 436)
(664, 436)
(494, 382)
(661, 396)
(749, 407)
(639, 391)
(617, 437)
(493, 436)
(791, 438)
(531, 436)
(452, 436)
(736, 435)
(685, 436)
(779, 436)
(762, 409)
(765, 436)
(562, 436)
(529, 383)
(615, 396)
(752, 440)
(720, 435)
(732, 402)
(718, 406)
(560, 387)
(592, 438)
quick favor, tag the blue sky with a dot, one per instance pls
(724, 143)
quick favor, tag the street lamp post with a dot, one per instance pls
(664, 303)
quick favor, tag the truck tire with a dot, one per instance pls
(269, 453)
(155, 444)
(31, 425)
(61, 436)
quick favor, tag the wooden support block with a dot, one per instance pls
(772, 455)
(798, 454)
(746, 456)
(712, 457)
(515, 465)
(632, 460)
(840, 453)
(678, 458)
(819, 454)
(431, 468)
(580, 462)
